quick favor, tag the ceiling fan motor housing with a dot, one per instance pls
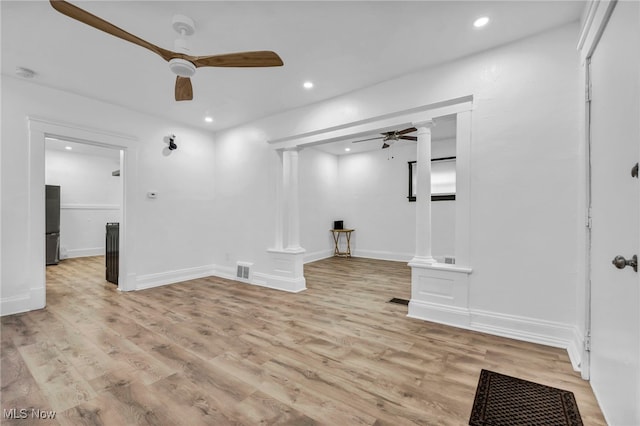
(182, 67)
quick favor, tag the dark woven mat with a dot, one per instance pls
(505, 401)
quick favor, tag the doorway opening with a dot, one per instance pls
(126, 146)
(88, 185)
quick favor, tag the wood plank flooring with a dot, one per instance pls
(218, 352)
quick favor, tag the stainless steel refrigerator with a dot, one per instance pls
(52, 230)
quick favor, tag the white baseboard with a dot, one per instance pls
(25, 302)
(83, 252)
(523, 328)
(442, 314)
(575, 349)
(382, 255)
(263, 280)
(276, 282)
(526, 329)
(318, 255)
(15, 304)
(171, 277)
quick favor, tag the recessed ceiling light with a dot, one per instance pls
(481, 22)
(347, 149)
(68, 148)
(208, 119)
(308, 85)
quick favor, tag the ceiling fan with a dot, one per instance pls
(389, 138)
(180, 62)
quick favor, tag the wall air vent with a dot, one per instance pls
(243, 270)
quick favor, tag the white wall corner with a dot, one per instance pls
(318, 255)
(143, 282)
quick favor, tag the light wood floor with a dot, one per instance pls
(218, 352)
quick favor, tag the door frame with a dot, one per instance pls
(39, 129)
(593, 27)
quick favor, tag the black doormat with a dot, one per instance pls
(504, 401)
(399, 301)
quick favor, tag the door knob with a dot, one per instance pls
(620, 262)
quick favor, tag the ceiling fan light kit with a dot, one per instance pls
(180, 62)
(182, 67)
(389, 138)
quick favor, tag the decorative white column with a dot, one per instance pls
(423, 195)
(291, 201)
(440, 292)
(286, 258)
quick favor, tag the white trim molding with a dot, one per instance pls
(440, 293)
(83, 252)
(282, 279)
(383, 255)
(287, 271)
(38, 130)
(147, 281)
(317, 255)
(595, 21)
(16, 304)
(70, 206)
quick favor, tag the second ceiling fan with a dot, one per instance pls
(389, 138)
(180, 62)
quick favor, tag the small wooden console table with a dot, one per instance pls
(336, 239)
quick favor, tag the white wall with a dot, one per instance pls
(373, 191)
(172, 235)
(320, 202)
(524, 185)
(89, 198)
(524, 169)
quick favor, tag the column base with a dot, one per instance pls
(286, 271)
(422, 260)
(439, 293)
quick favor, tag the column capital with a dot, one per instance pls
(290, 149)
(425, 124)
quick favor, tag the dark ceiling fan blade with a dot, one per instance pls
(85, 17)
(370, 139)
(405, 131)
(408, 138)
(184, 90)
(262, 58)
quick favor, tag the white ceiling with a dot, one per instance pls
(68, 147)
(340, 46)
(443, 131)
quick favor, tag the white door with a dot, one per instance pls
(615, 141)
